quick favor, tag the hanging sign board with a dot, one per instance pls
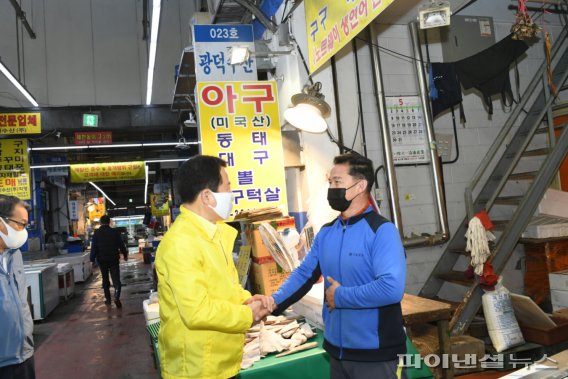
(97, 209)
(73, 210)
(211, 47)
(105, 172)
(20, 123)
(93, 138)
(159, 203)
(239, 123)
(330, 25)
(408, 134)
(14, 168)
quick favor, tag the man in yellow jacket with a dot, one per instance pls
(204, 311)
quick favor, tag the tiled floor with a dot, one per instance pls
(83, 338)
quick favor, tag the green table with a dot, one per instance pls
(312, 363)
(309, 364)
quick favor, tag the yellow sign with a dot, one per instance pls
(330, 25)
(14, 168)
(97, 209)
(106, 172)
(160, 204)
(239, 123)
(20, 123)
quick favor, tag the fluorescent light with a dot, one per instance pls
(113, 146)
(57, 148)
(45, 148)
(156, 8)
(103, 193)
(146, 184)
(17, 84)
(51, 165)
(166, 160)
(148, 161)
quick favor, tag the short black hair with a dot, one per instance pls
(359, 167)
(8, 204)
(105, 220)
(198, 173)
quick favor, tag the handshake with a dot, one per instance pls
(261, 306)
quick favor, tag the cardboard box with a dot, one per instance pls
(260, 253)
(267, 277)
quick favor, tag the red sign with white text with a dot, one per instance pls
(93, 138)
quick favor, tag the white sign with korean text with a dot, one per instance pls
(211, 47)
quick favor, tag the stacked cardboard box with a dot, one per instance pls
(267, 276)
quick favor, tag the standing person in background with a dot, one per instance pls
(204, 311)
(362, 259)
(106, 247)
(16, 340)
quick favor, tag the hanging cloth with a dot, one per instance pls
(488, 70)
(445, 89)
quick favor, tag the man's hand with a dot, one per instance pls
(330, 293)
(267, 302)
(258, 311)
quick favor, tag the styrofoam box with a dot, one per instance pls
(558, 280)
(151, 312)
(559, 299)
(310, 306)
(546, 231)
(554, 203)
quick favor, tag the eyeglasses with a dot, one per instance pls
(20, 223)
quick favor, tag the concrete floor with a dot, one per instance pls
(84, 338)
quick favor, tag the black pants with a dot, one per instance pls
(24, 370)
(364, 370)
(114, 270)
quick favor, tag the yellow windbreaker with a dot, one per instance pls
(203, 319)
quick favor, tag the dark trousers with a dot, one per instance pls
(24, 370)
(364, 370)
(114, 270)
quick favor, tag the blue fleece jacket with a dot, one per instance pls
(364, 254)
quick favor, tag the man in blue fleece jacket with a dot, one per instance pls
(361, 257)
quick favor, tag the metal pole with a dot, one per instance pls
(385, 131)
(434, 158)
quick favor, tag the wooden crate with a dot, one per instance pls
(543, 257)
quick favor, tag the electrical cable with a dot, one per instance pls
(284, 12)
(360, 120)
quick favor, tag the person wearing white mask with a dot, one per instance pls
(16, 340)
(204, 311)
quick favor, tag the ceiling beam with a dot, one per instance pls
(131, 118)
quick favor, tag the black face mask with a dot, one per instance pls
(337, 200)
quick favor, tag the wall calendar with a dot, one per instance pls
(408, 134)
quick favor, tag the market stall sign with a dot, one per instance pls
(15, 168)
(330, 25)
(97, 208)
(105, 172)
(93, 138)
(239, 123)
(212, 44)
(159, 203)
(20, 123)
